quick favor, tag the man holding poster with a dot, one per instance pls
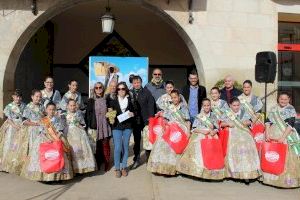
(144, 108)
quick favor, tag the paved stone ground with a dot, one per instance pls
(139, 185)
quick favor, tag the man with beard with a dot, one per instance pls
(144, 108)
(156, 86)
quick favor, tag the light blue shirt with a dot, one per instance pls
(193, 101)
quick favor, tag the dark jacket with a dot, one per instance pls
(144, 106)
(234, 93)
(185, 91)
(127, 124)
(90, 115)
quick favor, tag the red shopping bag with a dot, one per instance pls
(156, 127)
(258, 133)
(273, 157)
(176, 137)
(223, 136)
(212, 153)
(51, 156)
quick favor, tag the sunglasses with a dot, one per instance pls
(157, 74)
(123, 89)
(98, 88)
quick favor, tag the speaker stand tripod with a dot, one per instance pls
(266, 91)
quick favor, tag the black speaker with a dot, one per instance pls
(265, 67)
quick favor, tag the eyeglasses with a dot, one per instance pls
(98, 88)
(48, 82)
(157, 74)
(123, 89)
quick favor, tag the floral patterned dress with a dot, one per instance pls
(69, 95)
(163, 159)
(83, 159)
(32, 169)
(191, 161)
(9, 134)
(279, 119)
(242, 160)
(54, 97)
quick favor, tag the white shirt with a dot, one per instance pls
(123, 103)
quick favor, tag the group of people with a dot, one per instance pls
(175, 126)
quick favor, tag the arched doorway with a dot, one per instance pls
(173, 51)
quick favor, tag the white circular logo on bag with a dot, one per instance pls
(260, 137)
(51, 154)
(272, 156)
(175, 136)
(157, 129)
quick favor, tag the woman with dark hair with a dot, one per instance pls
(280, 128)
(242, 161)
(49, 94)
(122, 128)
(251, 103)
(218, 105)
(163, 158)
(9, 130)
(99, 130)
(72, 94)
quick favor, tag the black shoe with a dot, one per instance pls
(247, 182)
(136, 164)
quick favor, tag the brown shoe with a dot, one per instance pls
(124, 172)
(118, 173)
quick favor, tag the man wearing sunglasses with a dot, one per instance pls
(156, 86)
(144, 108)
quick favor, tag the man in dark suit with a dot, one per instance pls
(229, 91)
(193, 94)
(144, 108)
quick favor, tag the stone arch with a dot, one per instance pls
(60, 7)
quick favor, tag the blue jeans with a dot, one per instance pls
(121, 146)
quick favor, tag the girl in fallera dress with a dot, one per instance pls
(191, 162)
(163, 159)
(32, 114)
(162, 103)
(50, 129)
(9, 130)
(242, 161)
(280, 127)
(49, 94)
(218, 105)
(83, 160)
(251, 103)
(72, 94)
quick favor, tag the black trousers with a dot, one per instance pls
(137, 136)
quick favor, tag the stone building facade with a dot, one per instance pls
(222, 38)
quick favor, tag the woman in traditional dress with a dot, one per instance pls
(49, 94)
(51, 129)
(163, 159)
(32, 115)
(98, 128)
(72, 94)
(280, 127)
(218, 105)
(9, 130)
(242, 161)
(191, 161)
(83, 160)
(251, 103)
